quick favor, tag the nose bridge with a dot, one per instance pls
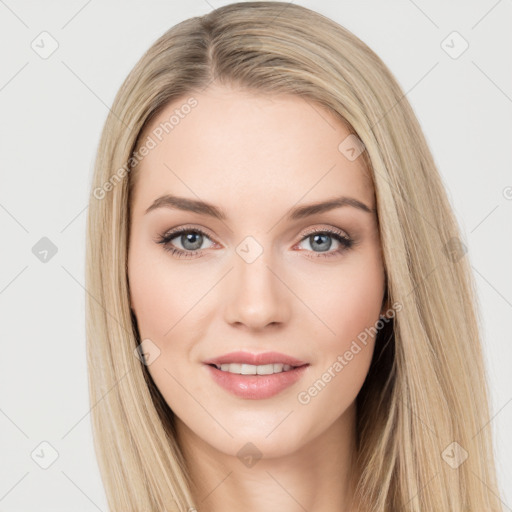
(256, 296)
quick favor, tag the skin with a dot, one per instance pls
(256, 157)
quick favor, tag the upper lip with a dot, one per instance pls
(256, 359)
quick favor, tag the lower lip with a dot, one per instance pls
(256, 387)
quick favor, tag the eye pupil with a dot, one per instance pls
(318, 236)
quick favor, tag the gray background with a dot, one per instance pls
(52, 112)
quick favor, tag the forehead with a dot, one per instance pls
(233, 142)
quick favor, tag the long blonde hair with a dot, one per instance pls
(424, 406)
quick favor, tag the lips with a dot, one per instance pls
(262, 358)
(256, 387)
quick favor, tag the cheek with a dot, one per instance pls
(357, 305)
(349, 303)
(351, 307)
(162, 298)
(157, 292)
(349, 300)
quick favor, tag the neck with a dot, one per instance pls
(320, 475)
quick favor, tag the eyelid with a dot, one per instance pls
(186, 227)
(322, 228)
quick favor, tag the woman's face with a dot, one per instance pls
(255, 271)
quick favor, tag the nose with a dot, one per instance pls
(255, 294)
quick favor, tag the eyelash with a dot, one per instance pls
(346, 242)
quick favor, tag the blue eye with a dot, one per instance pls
(191, 241)
(320, 240)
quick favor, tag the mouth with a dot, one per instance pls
(249, 360)
(255, 376)
(251, 369)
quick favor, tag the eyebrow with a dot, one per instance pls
(299, 212)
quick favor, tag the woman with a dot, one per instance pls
(280, 313)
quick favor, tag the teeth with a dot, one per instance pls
(250, 369)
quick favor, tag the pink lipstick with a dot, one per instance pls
(255, 376)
